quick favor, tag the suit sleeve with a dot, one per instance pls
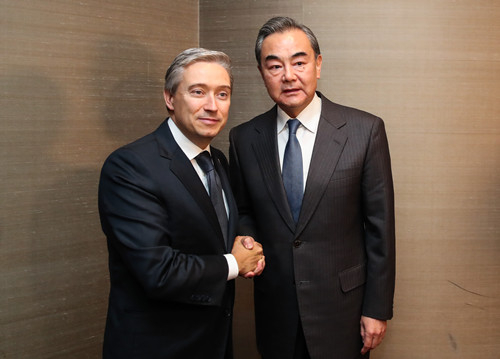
(134, 219)
(378, 208)
(246, 223)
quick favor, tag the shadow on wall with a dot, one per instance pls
(55, 253)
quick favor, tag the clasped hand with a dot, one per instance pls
(249, 255)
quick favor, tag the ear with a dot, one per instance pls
(169, 100)
(319, 61)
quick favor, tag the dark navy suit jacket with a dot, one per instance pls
(169, 295)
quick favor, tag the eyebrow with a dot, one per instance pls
(297, 54)
(204, 85)
(227, 88)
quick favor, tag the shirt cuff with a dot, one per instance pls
(232, 265)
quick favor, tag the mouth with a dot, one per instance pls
(290, 91)
(209, 120)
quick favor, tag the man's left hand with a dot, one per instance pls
(372, 332)
(248, 243)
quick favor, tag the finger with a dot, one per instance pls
(377, 340)
(249, 275)
(365, 350)
(260, 266)
(367, 344)
(247, 242)
(258, 269)
(257, 245)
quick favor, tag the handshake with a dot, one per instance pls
(249, 255)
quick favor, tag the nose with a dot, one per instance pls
(210, 103)
(289, 74)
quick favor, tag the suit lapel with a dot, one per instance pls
(183, 169)
(328, 147)
(266, 151)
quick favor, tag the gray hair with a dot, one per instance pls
(282, 24)
(190, 56)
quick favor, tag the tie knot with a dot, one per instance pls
(293, 125)
(205, 162)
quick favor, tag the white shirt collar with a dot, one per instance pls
(188, 147)
(309, 117)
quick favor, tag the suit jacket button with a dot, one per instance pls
(297, 243)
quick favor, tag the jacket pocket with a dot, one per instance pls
(353, 277)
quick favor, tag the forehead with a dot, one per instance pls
(284, 44)
(208, 73)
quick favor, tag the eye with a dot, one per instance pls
(197, 92)
(223, 95)
(274, 70)
(274, 67)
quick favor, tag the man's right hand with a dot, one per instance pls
(249, 256)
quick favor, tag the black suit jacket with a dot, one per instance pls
(338, 262)
(169, 295)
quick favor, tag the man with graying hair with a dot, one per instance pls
(170, 219)
(313, 184)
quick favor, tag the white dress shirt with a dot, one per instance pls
(306, 133)
(191, 151)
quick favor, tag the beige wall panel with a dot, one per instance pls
(77, 79)
(431, 70)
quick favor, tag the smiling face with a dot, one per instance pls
(200, 105)
(290, 70)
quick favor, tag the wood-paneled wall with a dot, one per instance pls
(431, 70)
(77, 79)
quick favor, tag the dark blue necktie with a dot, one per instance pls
(292, 173)
(215, 189)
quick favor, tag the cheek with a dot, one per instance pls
(273, 85)
(193, 108)
(269, 78)
(224, 108)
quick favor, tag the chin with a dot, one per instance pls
(293, 100)
(293, 105)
